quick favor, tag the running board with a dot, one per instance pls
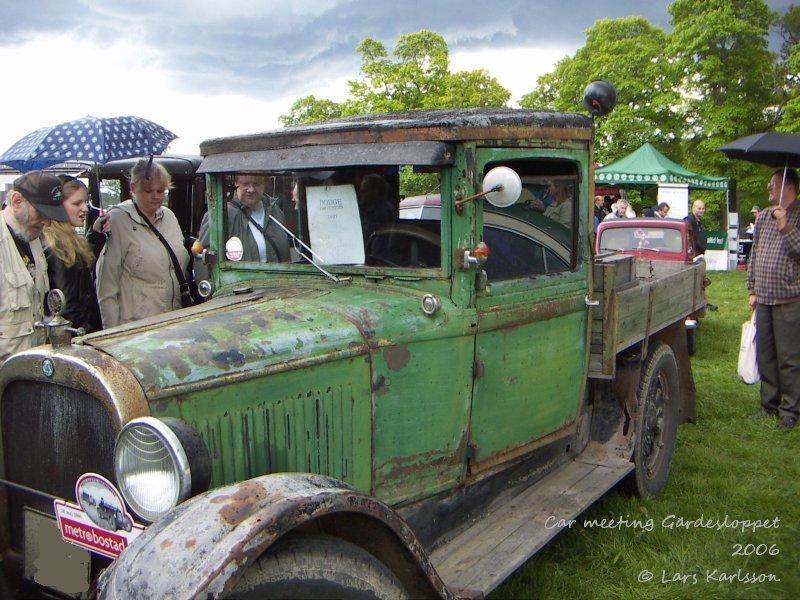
(480, 558)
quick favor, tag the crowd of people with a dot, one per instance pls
(132, 263)
(141, 270)
(107, 280)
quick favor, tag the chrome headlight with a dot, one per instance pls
(155, 463)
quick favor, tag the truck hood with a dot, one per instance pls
(288, 326)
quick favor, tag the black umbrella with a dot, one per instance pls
(772, 148)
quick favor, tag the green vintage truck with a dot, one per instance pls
(411, 403)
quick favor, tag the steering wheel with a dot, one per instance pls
(405, 237)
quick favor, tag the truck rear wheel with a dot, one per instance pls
(302, 565)
(657, 422)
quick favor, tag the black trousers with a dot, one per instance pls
(778, 356)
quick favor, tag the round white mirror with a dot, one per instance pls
(502, 187)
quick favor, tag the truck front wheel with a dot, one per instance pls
(657, 421)
(302, 565)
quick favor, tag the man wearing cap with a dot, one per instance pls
(35, 200)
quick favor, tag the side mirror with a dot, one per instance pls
(501, 187)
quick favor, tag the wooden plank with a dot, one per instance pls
(533, 534)
(469, 546)
(481, 557)
(675, 296)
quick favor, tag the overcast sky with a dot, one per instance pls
(206, 68)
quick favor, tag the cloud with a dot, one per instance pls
(206, 45)
(205, 68)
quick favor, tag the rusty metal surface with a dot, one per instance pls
(215, 536)
(443, 125)
(84, 369)
(80, 368)
(289, 326)
(304, 157)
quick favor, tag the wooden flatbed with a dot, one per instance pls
(637, 298)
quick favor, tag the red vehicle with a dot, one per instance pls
(652, 239)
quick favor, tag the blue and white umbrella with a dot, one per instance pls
(90, 139)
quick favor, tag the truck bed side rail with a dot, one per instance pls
(638, 298)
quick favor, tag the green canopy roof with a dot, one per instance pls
(647, 166)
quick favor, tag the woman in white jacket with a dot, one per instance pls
(135, 273)
(561, 208)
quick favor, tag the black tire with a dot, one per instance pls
(316, 566)
(691, 340)
(658, 399)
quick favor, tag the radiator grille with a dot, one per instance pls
(311, 433)
(52, 435)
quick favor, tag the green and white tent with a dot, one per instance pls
(648, 167)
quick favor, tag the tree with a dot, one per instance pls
(309, 108)
(628, 52)
(789, 29)
(790, 117)
(417, 78)
(727, 71)
(730, 81)
(473, 89)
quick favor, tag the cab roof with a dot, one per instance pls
(409, 137)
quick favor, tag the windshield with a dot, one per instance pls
(347, 216)
(642, 238)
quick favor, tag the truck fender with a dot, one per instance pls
(203, 546)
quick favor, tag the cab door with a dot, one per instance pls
(531, 345)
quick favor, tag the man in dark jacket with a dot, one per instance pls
(695, 220)
(248, 218)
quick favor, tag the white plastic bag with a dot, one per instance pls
(748, 367)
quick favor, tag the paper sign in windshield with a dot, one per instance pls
(334, 224)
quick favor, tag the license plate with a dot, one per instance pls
(49, 560)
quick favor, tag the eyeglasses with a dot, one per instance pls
(251, 185)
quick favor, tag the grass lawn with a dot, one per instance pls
(726, 466)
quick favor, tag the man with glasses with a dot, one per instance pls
(248, 219)
(773, 281)
(35, 200)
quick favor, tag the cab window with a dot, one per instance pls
(642, 238)
(347, 216)
(537, 234)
